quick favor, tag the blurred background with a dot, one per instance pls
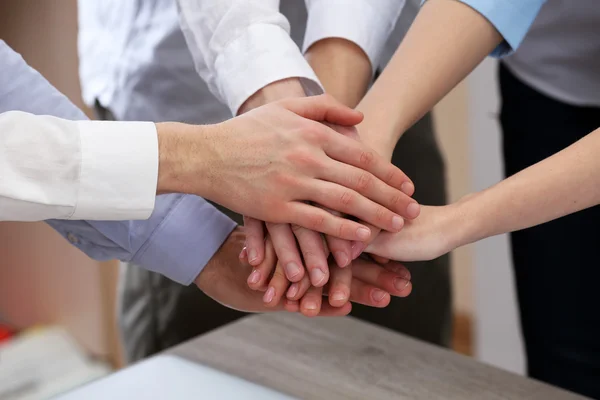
(44, 282)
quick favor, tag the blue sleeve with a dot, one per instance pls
(178, 239)
(512, 18)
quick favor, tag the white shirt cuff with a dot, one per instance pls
(365, 23)
(265, 54)
(119, 170)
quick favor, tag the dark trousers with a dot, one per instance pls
(556, 264)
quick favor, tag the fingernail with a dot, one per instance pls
(243, 253)
(341, 258)
(400, 284)
(357, 249)
(404, 274)
(252, 256)
(254, 277)
(310, 305)
(269, 294)
(378, 295)
(292, 269)
(316, 276)
(338, 296)
(397, 223)
(293, 290)
(413, 210)
(407, 188)
(363, 233)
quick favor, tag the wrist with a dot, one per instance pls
(383, 145)
(279, 90)
(469, 222)
(183, 153)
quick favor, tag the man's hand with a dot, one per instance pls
(224, 280)
(364, 282)
(267, 163)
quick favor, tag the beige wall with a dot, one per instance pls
(452, 129)
(42, 278)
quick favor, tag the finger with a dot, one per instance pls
(340, 249)
(339, 285)
(371, 187)
(380, 260)
(369, 295)
(291, 305)
(313, 252)
(348, 131)
(398, 269)
(347, 201)
(244, 255)
(310, 305)
(298, 289)
(392, 279)
(319, 220)
(258, 278)
(323, 108)
(286, 249)
(349, 151)
(277, 287)
(357, 248)
(255, 240)
(327, 310)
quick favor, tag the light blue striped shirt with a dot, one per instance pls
(178, 239)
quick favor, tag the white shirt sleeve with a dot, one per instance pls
(368, 23)
(240, 47)
(59, 169)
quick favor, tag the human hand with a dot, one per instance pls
(436, 232)
(365, 282)
(291, 240)
(224, 280)
(299, 160)
(285, 236)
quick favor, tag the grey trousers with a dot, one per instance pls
(155, 313)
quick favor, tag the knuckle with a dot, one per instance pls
(283, 178)
(366, 158)
(297, 229)
(316, 221)
(279, 274)
(397, 199)
(364, 181)
(381, 214)
(391, 175)
(346, 198)
(341, 229)
(308, 256)
(312, 132)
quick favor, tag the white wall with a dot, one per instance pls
(497, 331)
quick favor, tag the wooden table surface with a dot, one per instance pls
(344, 358)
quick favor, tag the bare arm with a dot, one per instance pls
(342, 67)
(564, 183)
(447, 40)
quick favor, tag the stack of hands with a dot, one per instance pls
(338, 195)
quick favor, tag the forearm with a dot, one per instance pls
(342, 67)
(285, 88)
(562, 184)
(447, 40)
(344, 41)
